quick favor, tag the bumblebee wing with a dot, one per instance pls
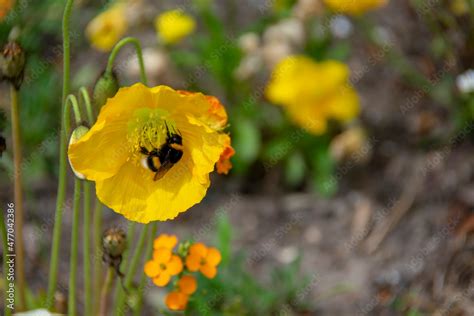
(162, 170)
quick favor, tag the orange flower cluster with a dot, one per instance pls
(166, 264)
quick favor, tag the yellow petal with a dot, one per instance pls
(175, 265)
(106, 29)
(162, 255)
(152, 268)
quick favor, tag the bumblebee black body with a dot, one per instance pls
(161, 160)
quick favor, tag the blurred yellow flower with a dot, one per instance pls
(106, 29)
(354, 7)
(172, 26)
(151, 152)
(313, 93)
(5, 7)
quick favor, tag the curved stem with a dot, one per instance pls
(87, 218)
(18, 190)
(120, 303)
(87, 103)
(138, 48)
(74, 248)
(6, 253)
(71, 101)
(53, 268)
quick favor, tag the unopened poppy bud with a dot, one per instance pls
(114, 242)
(106, 87)
(76, 135)
(12, 64)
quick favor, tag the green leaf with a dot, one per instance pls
(324, 180)
(224, 238)
(295, 169)
(246, 142)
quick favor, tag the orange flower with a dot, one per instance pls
(165, 241)
(203, 259)
(176, 301)
(187, 284)
(216, 116)
(163, 266)
(224, 165)
(5, 7)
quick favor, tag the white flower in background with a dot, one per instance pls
(465, 81)
(249, 43)
(37, 312)
(248, 67)
(289, 30)
(157, 65)
(341, 26)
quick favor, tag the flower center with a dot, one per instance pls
(148, 129)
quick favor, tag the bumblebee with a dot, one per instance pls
(161, 160)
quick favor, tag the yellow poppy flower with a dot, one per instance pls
(120, 152)
(5, 7)
(354, 7)
(313, 93)
(172, 26)
(106, 29)
(163, 266)
(203, 259)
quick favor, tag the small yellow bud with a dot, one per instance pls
(105, 87)
(76, 135)
(12, 64)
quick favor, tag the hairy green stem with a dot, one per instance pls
(18, 191)
(74, 249)
(87, 103)
(124, 265)
(132, 269)
(3, 232)
(86, 249)
(97, 253)
(138, 48)
(104, 294)
(61, 194)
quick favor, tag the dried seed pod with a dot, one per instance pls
(114, 242)
(12, 64)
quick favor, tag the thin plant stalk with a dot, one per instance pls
(132, 269)
(3, 232)
(142, 284)
(87, 219)
(61, 194)
(86, 249)
(18, 189)
(72, 311)
(104, 294)
(138, 48)
(97, 252)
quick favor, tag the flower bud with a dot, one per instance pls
(106, 87)
(76, 135)
(114, 242)
(12, 64)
